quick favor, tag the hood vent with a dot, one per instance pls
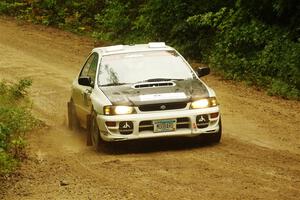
(154, 84)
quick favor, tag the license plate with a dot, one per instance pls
(165, 125)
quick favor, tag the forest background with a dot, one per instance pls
(254, 41)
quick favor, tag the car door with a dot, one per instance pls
(81, 93)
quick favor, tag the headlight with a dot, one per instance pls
(204, 103)
(117, 110)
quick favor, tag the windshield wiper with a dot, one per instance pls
(161, 79)
(113, 84)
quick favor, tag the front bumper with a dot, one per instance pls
(189, 130)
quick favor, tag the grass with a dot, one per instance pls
(15, 121)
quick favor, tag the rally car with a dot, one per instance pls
(129, 92)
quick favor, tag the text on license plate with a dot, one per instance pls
(164, 125)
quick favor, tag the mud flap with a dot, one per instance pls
(89, 129)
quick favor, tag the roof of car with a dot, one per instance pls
(118, 49)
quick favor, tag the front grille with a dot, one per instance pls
(146, 126)
(183, 122)
(162, 106)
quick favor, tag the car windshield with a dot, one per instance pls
(149, 66)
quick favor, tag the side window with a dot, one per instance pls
(93, 67)
(86, 67)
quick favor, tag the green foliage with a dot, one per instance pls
(74, 15)
(12, 7)
(248, 49)
(167, 21)
(7, 163)
(114, 21)
(19, 90)
(15, 121)
(253, 41)
(284, 90)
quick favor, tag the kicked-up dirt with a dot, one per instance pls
(258, 157)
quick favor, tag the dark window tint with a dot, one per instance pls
(93, 68)
(86, 67)
(90, 67)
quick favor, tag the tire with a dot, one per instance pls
(94, 132)
(73, 122)
(95, 138)
(215, 137)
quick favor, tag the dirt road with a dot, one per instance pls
(258, 158)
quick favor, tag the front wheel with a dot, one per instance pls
(94, 135)
(215, 137)
(94, 132)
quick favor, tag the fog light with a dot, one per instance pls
(111, 124)
(214, 115)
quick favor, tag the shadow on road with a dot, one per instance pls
(154, 145)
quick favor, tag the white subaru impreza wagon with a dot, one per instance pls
(128, 92)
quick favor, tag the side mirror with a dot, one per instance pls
(203, 71)
(85, 80)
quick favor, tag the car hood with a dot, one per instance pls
(181, 91)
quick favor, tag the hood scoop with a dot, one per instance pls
(154, 84)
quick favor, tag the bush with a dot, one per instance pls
(12, 8)
(117, 22)
(255, 41)
(167, 21)
(15, 121)
(245, 48)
